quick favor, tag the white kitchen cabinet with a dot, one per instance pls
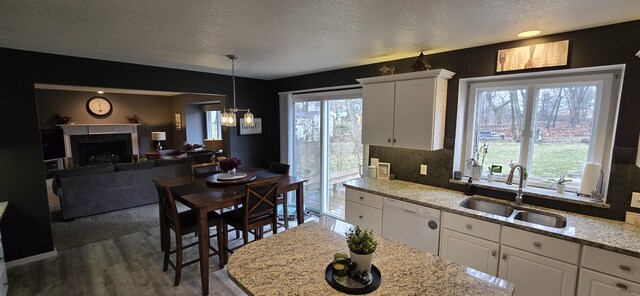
(363, 209)
(469, 251)
(608, 273)
(538, 264)
(470, 242)
(405, 110)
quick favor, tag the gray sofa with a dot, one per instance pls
(103, 188)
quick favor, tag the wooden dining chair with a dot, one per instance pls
(182, 223)
(258, 209)
(282, 168)
(203, 170)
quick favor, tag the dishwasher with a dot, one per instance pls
(411, 224)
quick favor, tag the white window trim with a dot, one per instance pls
(209, 127)
(612, 77)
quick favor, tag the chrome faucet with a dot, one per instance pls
(523, 171)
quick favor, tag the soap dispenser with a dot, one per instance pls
(469, 188)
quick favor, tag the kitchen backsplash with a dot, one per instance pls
(405, 164)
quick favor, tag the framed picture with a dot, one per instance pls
(250, 130)
(552, 54)
(178, 121)
(384, 169)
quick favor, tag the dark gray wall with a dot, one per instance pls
(26, 226)
(607, 45)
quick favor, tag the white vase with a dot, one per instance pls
(476, 172)
(490, 177)
(560, 188)
(363, 262)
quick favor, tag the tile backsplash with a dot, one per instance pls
(405, 164)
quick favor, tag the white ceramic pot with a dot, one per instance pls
(524, 183)
(490, 177)
(363, 262)
(560, 188)
(476, 172)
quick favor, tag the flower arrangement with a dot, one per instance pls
(229, 164)
(478, 160)
(133, 118)
(361, 241)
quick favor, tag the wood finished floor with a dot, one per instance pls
(127, 265)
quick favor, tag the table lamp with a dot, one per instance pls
(158, 137)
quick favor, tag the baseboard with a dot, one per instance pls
(33, 258)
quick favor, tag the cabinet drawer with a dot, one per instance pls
(365, 198)
(543, 245)
(612, 263)
(363, 216)
(478, 228)
(595, 283)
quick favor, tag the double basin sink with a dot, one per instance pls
(515, 212)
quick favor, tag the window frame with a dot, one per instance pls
(605, 112)
(209, 125)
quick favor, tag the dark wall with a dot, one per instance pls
(26, 227)
(155, 112)
(607, 45)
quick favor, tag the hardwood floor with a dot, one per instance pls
(127, 265)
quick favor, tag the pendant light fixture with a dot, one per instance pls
(229, 115)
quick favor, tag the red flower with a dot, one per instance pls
(230, 163)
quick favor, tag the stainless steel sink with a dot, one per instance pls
(515, 213)
(487, 207)
(545, 219)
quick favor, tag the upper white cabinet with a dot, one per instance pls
(405, 110)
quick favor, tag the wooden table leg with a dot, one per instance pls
(203, 243)
(300, 203)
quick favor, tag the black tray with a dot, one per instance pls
(376, 280)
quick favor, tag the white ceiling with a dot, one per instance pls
(281, 38)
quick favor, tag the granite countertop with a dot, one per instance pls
(3, 207)
(598, 232)
(293, 263)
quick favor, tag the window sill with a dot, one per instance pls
(567, 197)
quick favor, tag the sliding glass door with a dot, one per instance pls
(326, 145)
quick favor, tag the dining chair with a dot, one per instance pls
(258, 209)
(282, 168)
(182, 223)
(203, 170)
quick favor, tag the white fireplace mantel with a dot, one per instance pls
(99, 129)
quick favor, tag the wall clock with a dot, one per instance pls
(99, 106)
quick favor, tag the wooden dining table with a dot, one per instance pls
(223, 195)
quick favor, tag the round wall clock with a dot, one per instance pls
(99, 106)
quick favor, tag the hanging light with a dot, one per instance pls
(229, 115)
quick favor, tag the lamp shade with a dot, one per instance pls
(158, 136)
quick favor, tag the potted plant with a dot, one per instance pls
(230, 164)
(560, 183)
(492, 169)
(362, 244)
(476, 164)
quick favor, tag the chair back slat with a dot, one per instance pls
(279, 168)
(204, 169)
(168, 206)
(260, 199)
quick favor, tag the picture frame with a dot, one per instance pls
(256, 129)
(384, 170)
(178, 121)
(542, 55)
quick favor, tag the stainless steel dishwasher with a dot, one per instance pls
(412, 224)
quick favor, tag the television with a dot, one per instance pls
(52, 143)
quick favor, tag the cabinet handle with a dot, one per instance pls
(388, 140)
(361, 197)
(469, 226)
(537, 244)
(625, 268)
(622, 286)
(394, 140)
(494, 253)
(504, 256)
(412, 212)
(360, 217)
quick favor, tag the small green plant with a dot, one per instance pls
(494, 169)
(361, 241)
(560, 181)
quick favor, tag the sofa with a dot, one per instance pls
(199, 156)
(96, 189)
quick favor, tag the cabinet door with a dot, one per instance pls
(469, 251)
(594, 283)
(414, 114)
(377, 113)
(363, 216)
(536, 275)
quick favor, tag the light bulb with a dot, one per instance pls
(231, 120)
(223, 118)
(248, 118)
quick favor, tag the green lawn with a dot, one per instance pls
(551, 160)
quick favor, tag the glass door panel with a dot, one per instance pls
(344, 150)
(307, 156)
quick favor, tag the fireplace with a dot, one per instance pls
(87, 144)
(102, 148)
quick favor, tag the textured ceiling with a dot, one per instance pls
(281, 38)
